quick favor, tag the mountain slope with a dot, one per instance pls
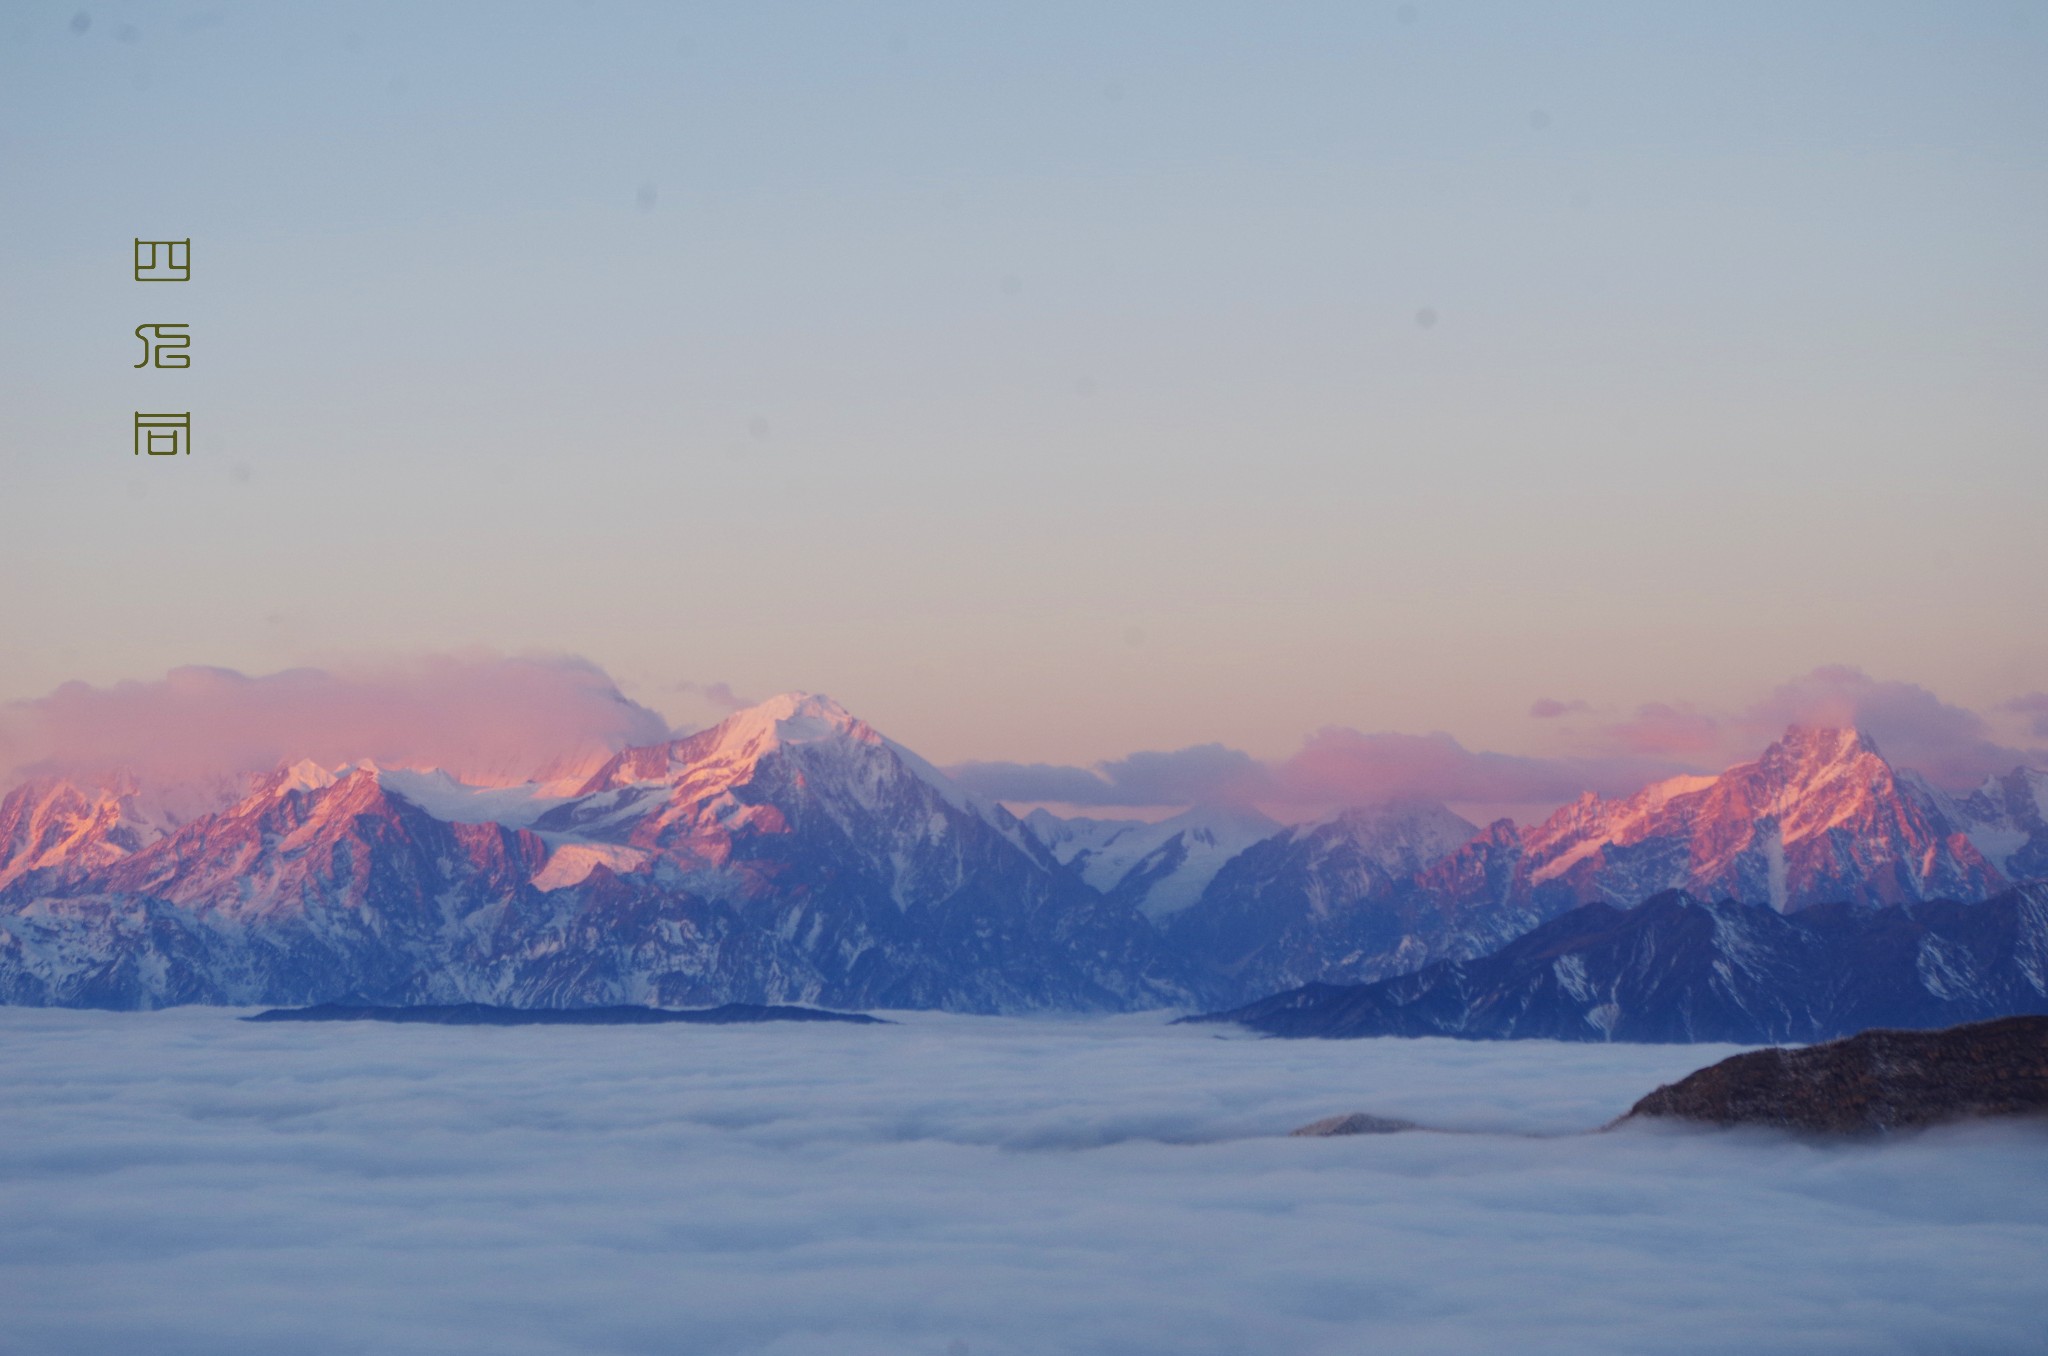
(1323, 900)
(1820, 816)
(1159, 868)
(63, 825)
(790, 854)
(2006, 819)
(794, 854)
(1679, 969)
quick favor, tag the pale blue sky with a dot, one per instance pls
(1044, 382)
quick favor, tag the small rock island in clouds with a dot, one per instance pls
(485, 1014)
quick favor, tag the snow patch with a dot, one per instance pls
(571, 863)
(455, 802)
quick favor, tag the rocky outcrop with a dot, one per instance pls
(1869, 1083)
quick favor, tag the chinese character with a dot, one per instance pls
(161, 343)
(163, 260)
(163, 435)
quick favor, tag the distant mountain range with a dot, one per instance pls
(793, 854)
(1678, 969)
(1820, 817)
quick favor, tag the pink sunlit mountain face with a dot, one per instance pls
(1819, 817)
(788, 854)
(792, 853)
(59, 823)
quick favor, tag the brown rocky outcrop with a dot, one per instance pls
(1872, 1082)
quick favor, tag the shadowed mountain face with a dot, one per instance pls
(1159, 868)
(1338, 899)
(1873, 1082)
(792, 854)
(1677, 969)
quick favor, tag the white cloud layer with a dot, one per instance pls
(186, 1185)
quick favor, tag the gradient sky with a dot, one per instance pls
(1045, 382)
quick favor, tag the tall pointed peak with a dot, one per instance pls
(1813, 756)
(304, 775)
(790, 718)
(740, 740)
(1826, 743)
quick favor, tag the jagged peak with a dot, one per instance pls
(355, 788)
(323, 785)
(1811, 779)
(1825, 743)
(1813, 767)
(1397, 815)
(304, 775)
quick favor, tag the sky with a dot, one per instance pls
(186, 1183)
(1054, 383)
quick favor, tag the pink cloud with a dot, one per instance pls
(1952, 745)
(1337, 766)
(1334, 767)
(482, 717)
(1661, 730)
(490, 718)
(1549, 708)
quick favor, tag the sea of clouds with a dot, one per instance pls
(184, 1184)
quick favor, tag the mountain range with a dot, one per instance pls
(793, 854)
(1679, 969)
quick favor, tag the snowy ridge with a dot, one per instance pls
(1162, 866)
(1777, 829)
(793, 853)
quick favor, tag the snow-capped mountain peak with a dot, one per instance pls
(792, 850)
(60, 822)
(791, 718)
(1159, 867)
(1410, 833)
(2007, 819)
(730, 749)
(1819, 814)
(304, 775)
(789, 765)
